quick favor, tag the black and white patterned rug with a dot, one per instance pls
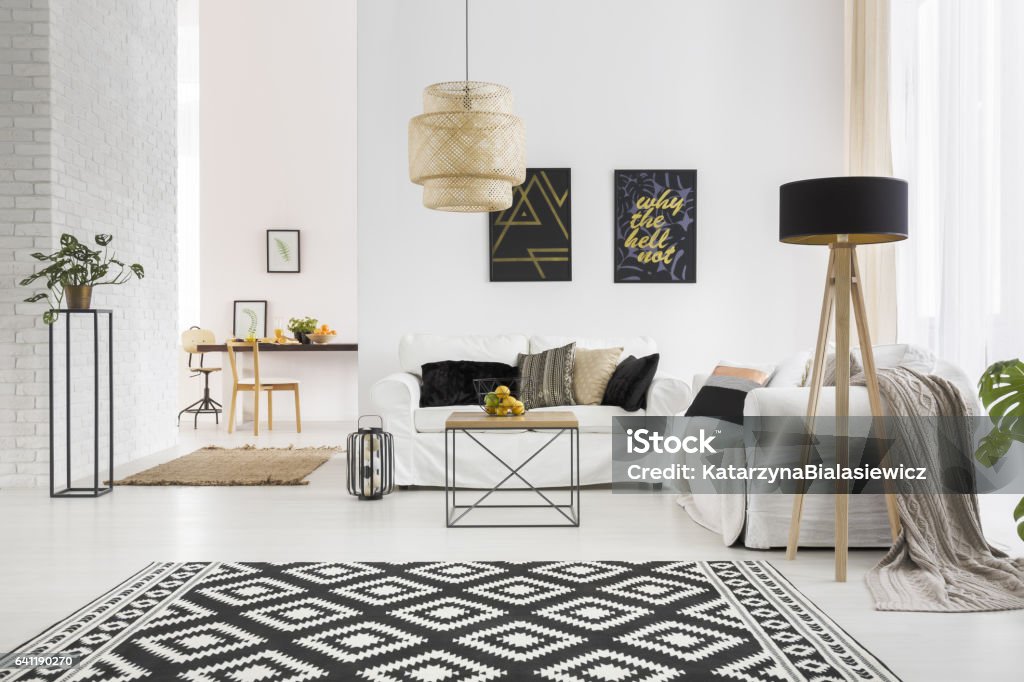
(454, 622)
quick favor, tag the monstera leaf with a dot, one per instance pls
(1001, 389)
(1018, 516)
(993, 447)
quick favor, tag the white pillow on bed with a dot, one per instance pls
(792, 371)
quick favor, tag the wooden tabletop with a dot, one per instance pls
(274, 347)
(562, 419)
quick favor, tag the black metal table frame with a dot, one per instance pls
(96, 490)
(452, 506)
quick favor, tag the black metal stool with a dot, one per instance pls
(190, 340)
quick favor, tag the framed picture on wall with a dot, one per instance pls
(655, 226)
(283, 251)
(250, 319)
(531, 241)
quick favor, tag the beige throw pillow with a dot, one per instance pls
(591, 373)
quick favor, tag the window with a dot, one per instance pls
(957, 102)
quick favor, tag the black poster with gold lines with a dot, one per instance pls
(531, 241)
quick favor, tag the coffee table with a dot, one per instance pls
(467, 423)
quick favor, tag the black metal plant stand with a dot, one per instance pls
(96, 490)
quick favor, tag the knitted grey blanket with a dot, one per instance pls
(941, 560)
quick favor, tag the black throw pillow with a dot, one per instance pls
(629, 384)
(718, 402)
(724, 393)
(451, 382)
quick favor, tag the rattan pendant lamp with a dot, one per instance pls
(467, 148)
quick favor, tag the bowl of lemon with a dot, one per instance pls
(497, 399)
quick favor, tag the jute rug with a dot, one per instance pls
(247, 465)
(573, 621)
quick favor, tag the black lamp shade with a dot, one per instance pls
(868, 210)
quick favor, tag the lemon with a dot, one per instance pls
(502, 391)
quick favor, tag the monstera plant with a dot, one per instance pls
(1001, 389)
(77, 268)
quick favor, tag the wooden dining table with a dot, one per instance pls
(295, 351)
(281, 347)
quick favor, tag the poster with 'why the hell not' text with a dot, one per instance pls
(656, 226)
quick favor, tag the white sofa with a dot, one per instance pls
(419, 431)
(763, 520)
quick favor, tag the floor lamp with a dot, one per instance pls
(842, 213)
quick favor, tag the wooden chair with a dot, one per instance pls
(191, 339)
(256, 385)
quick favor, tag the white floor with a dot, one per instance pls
(57, 555)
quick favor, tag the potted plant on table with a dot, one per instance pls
(302, 327)
(74, 270)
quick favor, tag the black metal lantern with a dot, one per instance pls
(371, 461)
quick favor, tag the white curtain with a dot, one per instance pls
(957, 112)
(868, 149)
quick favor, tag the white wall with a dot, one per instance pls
(25, 199)
(92, 150)
(277, 149)
(114, 152)
(748, 93)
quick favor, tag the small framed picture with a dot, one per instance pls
(250, 319)
(283, 251)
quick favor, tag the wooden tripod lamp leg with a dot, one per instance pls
(842, 498)
(817, 374)
(874, 395)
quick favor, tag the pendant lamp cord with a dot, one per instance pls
(467, 103)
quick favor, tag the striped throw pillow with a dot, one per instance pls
(545, 379)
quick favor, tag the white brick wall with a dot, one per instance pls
(87, 138)
(24, 227)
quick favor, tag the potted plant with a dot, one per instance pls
(1001, 389)
(301, 327)
(74, 270)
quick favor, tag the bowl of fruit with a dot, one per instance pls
(497, 398)
(323, 334)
